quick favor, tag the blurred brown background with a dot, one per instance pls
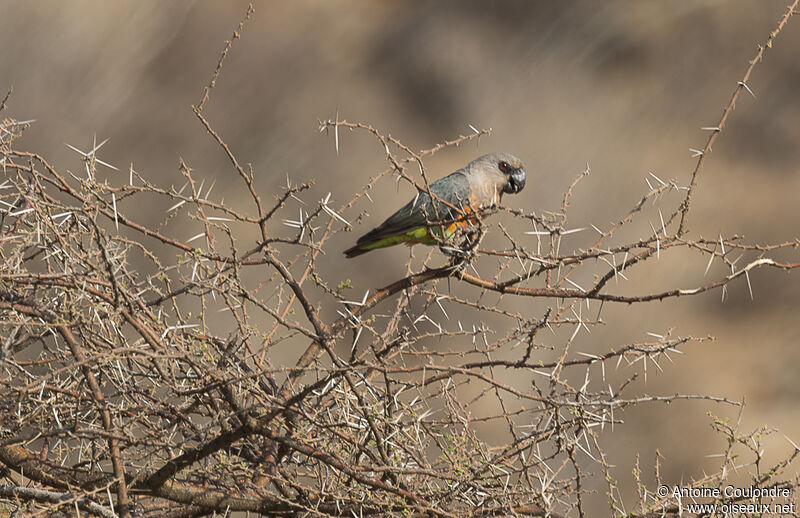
(623, 86)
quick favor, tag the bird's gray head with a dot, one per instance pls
(508, 165)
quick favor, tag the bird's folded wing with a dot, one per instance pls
(454, 193)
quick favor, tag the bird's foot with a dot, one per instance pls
(459, 257)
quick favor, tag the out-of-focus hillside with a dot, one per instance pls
(623, 86)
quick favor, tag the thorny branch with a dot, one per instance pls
(135, 383)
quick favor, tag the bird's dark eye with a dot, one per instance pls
(503, 166)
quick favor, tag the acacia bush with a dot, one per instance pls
(138, 377)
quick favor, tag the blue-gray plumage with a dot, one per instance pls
(474, 188)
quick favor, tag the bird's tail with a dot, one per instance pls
(355, 251)
(369, 241)
(382, 237)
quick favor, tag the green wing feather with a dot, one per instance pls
(410, 223)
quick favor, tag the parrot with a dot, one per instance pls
(474, 188)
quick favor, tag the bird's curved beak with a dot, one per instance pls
(516, 182)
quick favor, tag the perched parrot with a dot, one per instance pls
(474, 188)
